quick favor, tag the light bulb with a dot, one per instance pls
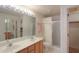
(6, 21)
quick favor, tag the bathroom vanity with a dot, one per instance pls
(22, 45)
(18, 32)
(35, 48)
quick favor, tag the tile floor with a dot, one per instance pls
(53, 49)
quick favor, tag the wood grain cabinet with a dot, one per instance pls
(31, 49)
(39, 47)
(35, 48)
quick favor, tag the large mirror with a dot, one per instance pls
(14, 24)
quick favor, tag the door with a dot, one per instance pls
(74, 37)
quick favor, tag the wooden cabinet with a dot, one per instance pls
(31, 49)
(35, 48)
(41, 46)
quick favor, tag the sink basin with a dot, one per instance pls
(7, 49)
(15, 46)
(3, 43)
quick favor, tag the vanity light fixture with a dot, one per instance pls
(29, 12)
(6, 21)
(22, 10)
(19, 9)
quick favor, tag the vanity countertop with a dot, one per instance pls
(18, 44)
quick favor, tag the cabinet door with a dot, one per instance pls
(41, 46)
(37, 47)
(31, 49)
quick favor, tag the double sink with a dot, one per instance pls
(16, 44)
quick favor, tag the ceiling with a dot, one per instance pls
(8, 10)
(45, 10)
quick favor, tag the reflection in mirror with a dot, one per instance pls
(14, 24)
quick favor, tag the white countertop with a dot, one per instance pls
(18, 44)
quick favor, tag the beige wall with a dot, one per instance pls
(73, 17)
(39, 25)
